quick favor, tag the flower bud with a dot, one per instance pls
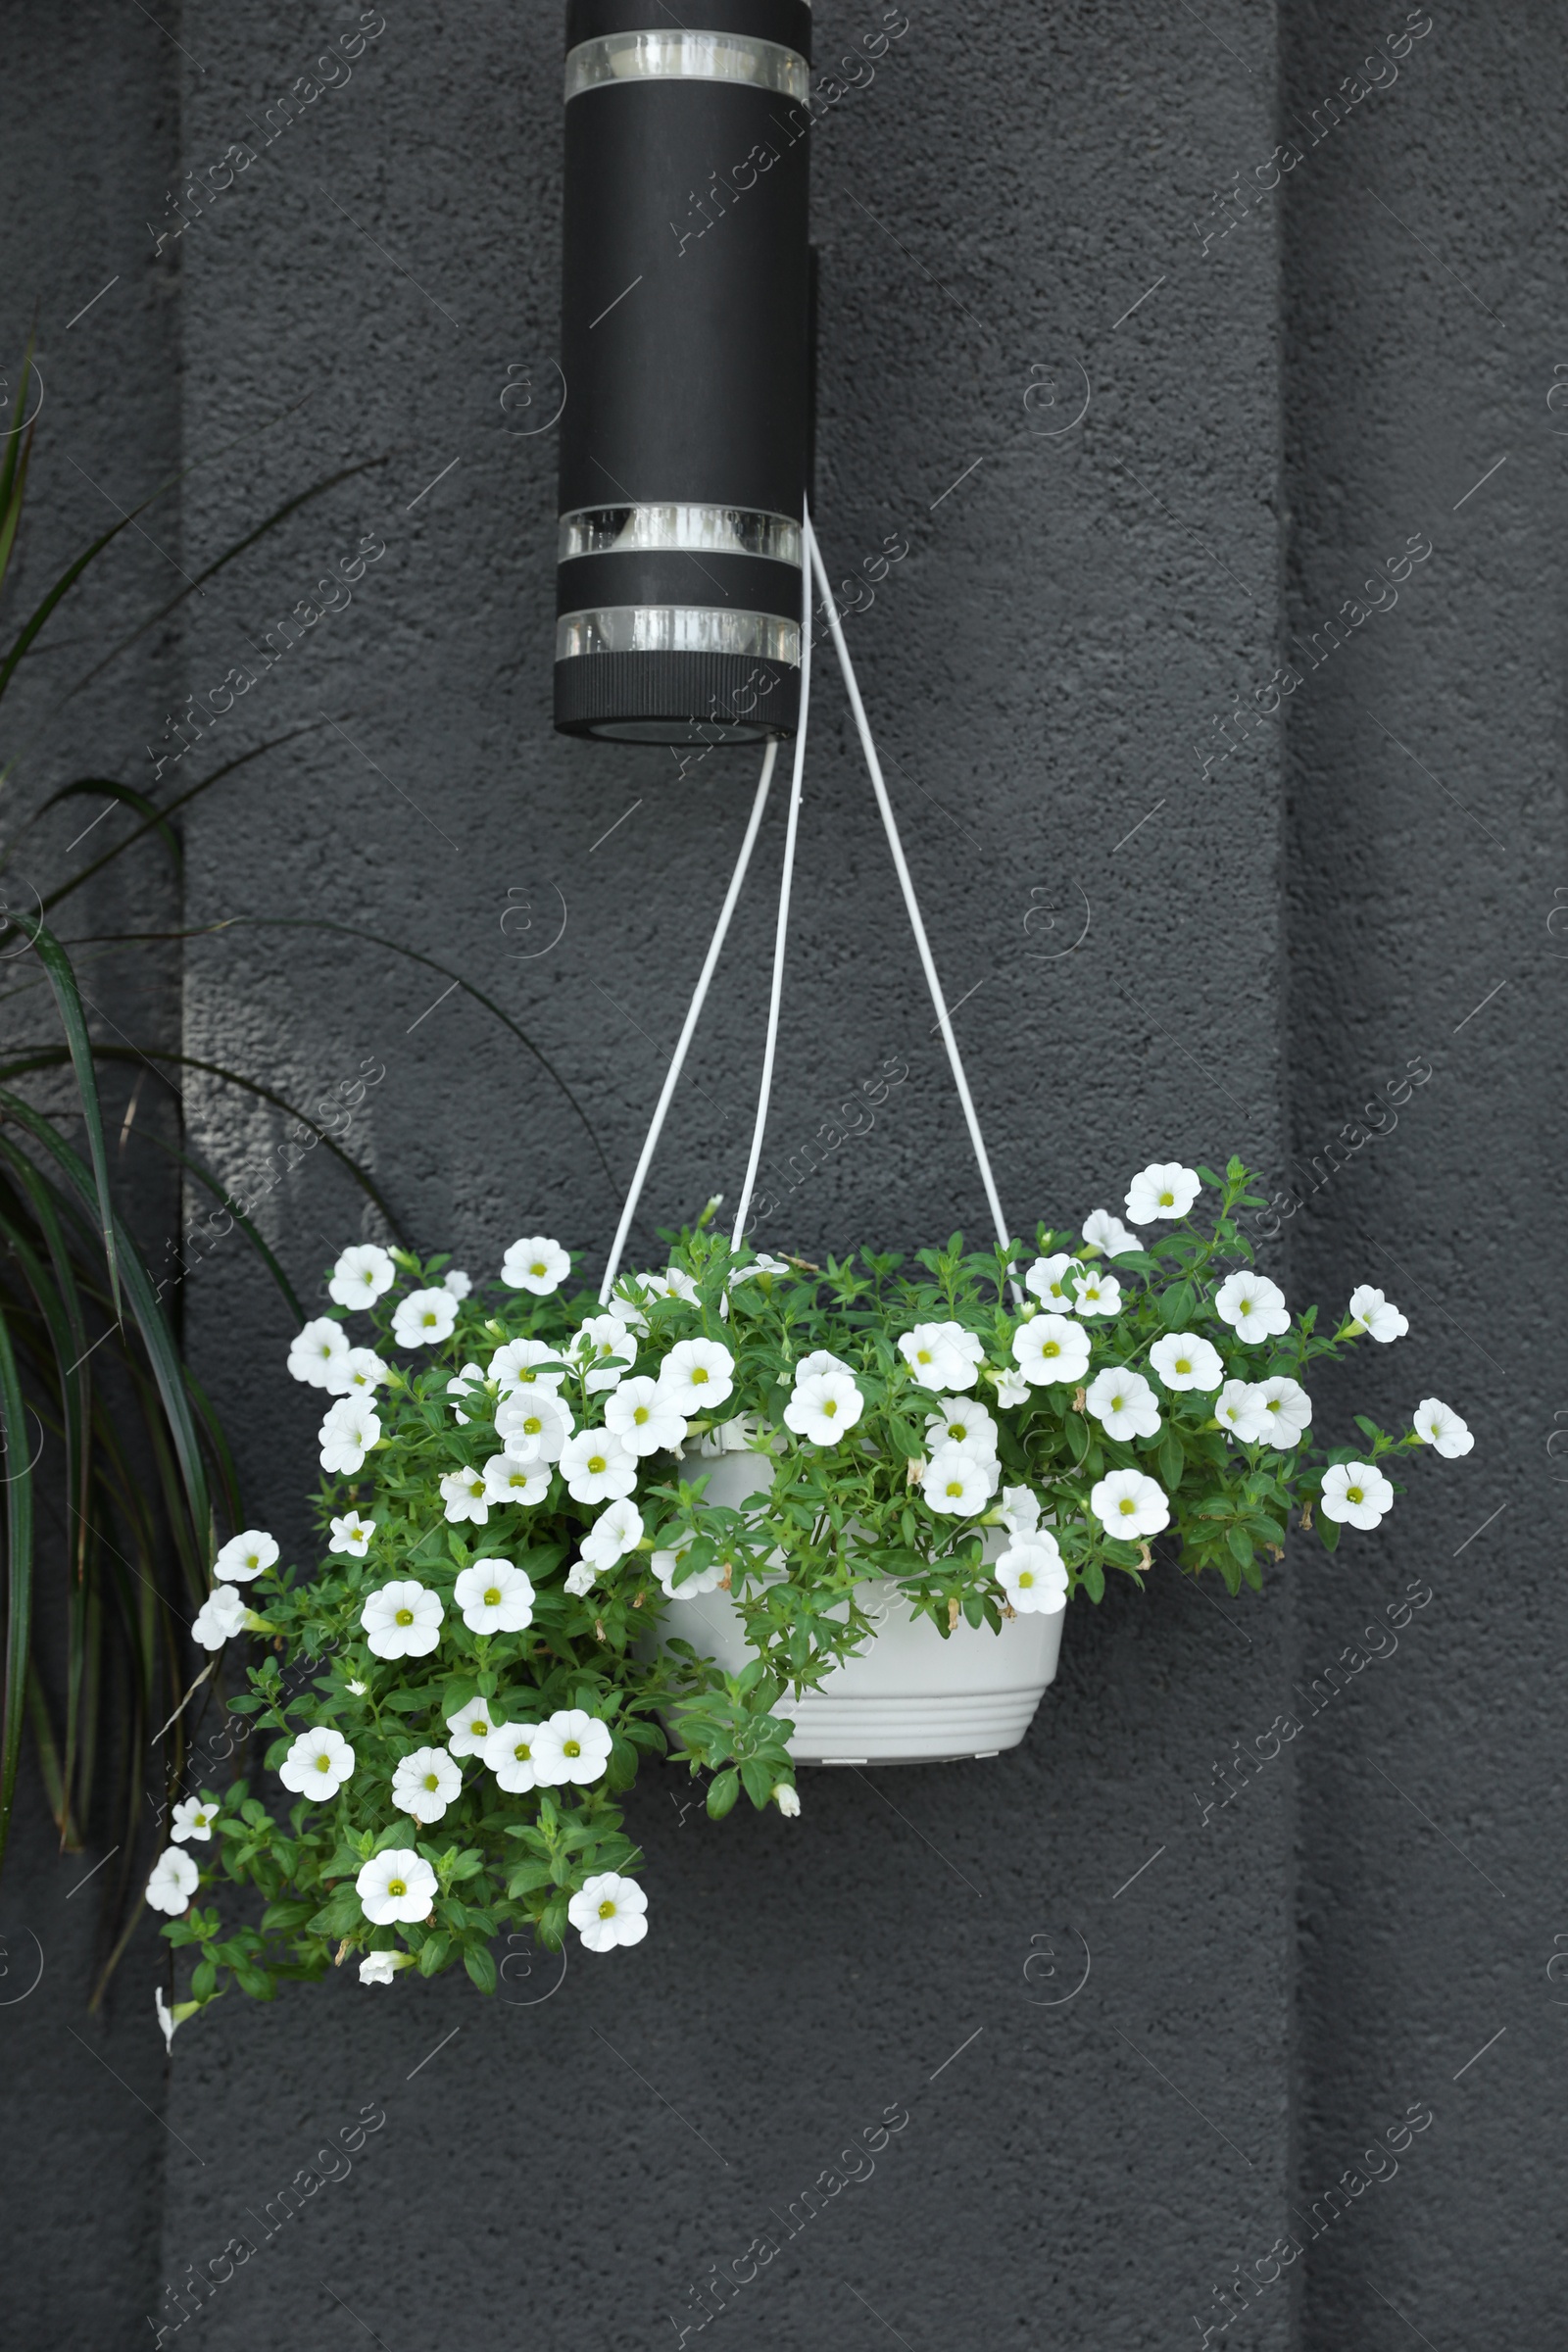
(786, 1799)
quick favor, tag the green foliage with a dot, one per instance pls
(822, 1522)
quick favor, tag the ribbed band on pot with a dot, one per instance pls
(718, 530)
(679, 56)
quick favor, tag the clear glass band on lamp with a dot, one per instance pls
(677, 630)
(698, 529)
(737, 57)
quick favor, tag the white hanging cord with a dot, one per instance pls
(1004, 1238)
(783, 900)
(694, 1015)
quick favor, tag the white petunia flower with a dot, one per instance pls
(535, 1264)
(962, 1421)
(379, 1968)
(360, 1373)
(697, 1376)
(426, 1782)
(347, 1435)
(671, 1284)
(358, 1687)
(464, 1495)
(823, 1408)
(402, 1620)
(942, 1356)
(396, 1885)
(1164, 1190)
(221, 1617)
(317, 1764)
(361, 1275)
(1184, 1360)
(455, 1280)
(527, 1364)
(174, 1879)
(1123, 1403)
(244, 1557)
(1095, 1294)
(194, 1818)
(470, 1727)
(1282, 1410)
(1233, 1406)
(1253, 1306)
(495, 1597)
(1011, 1390)
(957, 1484)
(1376, 1315)
(609, 1910)
(1356, 1493)
(645, 1418)
(572, 1746)
(1020, 1511)
(1049, 1349)
(425, 1318)
(352, 1535)
(315, 1352)
(788, 1800)
(821, 1361)
(509, 1754)
(616, 1532)
(1103, 1232)
(666, 1565)
(626, 1310)
(596, 1467)
(1047, 1279)
(468, 1388)
(762, 1264)
(1129, 1506)
(582, 1576)
(534, 1426)
(1438, 1424)
(1032, 1574)
(509, 1479)
(603, 1352)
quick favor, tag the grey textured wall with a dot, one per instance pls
(1171, 947)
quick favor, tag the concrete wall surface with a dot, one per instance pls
(1148, 335)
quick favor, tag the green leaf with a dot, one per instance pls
(1176, 1306)
(1329, 1530)
(339, 1916)
(1240, 1546)
(1172, 1460)
(722, 1792)
(434, 1953)
(482, 1968)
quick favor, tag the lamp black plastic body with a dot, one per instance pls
(686, 351)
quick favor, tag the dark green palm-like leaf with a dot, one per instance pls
(63, 980)
(105, 788)
(19, 1576)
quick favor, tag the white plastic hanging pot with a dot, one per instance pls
(910, 1697)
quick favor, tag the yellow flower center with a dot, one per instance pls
(429, 1318)
(955, 1486)
(405, 1617)
(522, 1751)
(396, 1887)
(1354, 1495)
(538, 1266)
(1026, 1580)
(1183, 1363)
(596, 1463)
(699, 1376)
(492, 1597)
(1167, 1199)
(571, 1747)
(607, 1909)
(432, 1780)
(830, 1406)
(1126, 1506)
(1051, 1348)
(639, 1414)
(323, 1763)
(1117, 1403)
(478, 1729)
(1247, 1306)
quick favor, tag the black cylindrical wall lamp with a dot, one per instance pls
(685, 346)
